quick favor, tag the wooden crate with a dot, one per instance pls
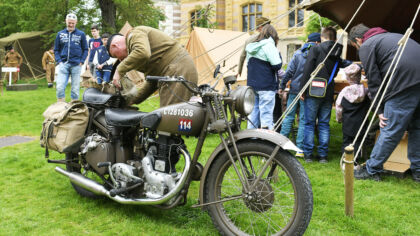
(398, 161)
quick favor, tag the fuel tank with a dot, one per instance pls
(182, 118)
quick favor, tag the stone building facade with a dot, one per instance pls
(172, 11)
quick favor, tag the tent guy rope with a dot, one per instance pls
(315, 72)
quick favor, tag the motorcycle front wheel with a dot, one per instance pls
(280, 204)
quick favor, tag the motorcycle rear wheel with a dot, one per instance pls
(89, 174)
(281, 204)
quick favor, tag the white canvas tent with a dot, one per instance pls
(224, 48)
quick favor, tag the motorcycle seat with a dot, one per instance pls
(127, 118)
(96, 97)
(120, 117)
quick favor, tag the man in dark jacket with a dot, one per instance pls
(317, 108)
(294, 72)
(400, 110)
(70, 51)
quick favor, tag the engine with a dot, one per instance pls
(159, 165)
(155, 174)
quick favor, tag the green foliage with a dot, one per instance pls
(316, 22)
(205, 15)
(8, 20)
(138, 12)
(39, 15)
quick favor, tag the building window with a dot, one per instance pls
(296, 16)
(291, 49)
(195, 16)
(250, 12)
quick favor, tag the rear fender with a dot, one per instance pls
(251, 134)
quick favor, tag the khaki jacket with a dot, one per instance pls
(13, 58)
(149, 51)
(48, 58)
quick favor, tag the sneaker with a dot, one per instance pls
(50, 85)
(416, 176)
(299, 154)
(323, 160)
(362, 173)
(309, 158)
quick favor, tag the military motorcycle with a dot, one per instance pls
(251, 184)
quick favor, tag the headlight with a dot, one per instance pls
(245, 99)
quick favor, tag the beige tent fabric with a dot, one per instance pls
(125, 28)
(203, 62)
(220, 44)
(29, 46)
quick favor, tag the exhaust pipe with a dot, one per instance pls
(98, 189)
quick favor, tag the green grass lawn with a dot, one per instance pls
(35, 200)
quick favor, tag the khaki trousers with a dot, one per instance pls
(50, 72)
(14, 74)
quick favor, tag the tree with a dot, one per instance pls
(33, 15)
(109, 14)
(316, 22)
(8, 19)
(40, 15)
(137, 12)
(205, 14)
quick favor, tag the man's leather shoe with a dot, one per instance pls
(362, 173)
(323, 160)
(308, 158)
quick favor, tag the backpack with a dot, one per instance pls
(64, 126)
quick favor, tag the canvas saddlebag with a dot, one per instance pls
(64, 126)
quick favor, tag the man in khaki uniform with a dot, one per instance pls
(48, 63)
(260, 22)
(152, 52)
(13, 59)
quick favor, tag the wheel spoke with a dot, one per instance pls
(268, 207)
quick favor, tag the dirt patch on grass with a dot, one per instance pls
(12, 140)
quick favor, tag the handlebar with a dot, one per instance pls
(156, 78)
(172, 79)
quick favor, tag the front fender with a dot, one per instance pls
(255, 134)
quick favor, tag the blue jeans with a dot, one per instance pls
(64, 71)
(102, 76)
(403, 113)
(317, 108)
(290, 118)
(262, 115)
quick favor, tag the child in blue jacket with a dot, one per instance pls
(103, 62)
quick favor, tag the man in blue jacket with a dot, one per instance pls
(70, 51)
(294, 72)
(400, 109)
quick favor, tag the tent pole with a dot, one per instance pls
(24, 56)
